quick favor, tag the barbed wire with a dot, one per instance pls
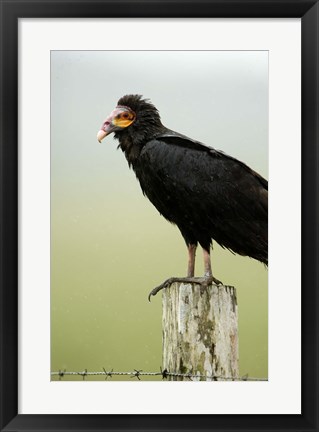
(136, 373)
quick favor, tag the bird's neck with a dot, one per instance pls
(130, 148)
(131, 142)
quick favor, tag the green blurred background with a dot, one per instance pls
(109, 245)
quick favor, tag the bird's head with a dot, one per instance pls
(132, 113)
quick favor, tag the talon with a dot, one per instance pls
(211, 279)
(155, 290)
(217, 282)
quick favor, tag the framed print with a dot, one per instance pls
(124, 217)
(82, 248)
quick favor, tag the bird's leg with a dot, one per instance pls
(190, 272)
(203, 281)
(208, 269)
(191, 260)
(207, 263)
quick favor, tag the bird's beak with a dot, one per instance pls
(108, 126)
(101, 135)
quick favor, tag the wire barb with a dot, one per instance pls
(83, 373)
(137, 374)
(61, 374)
(108, 374)
(164, 373)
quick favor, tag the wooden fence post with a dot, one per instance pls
(200, 331)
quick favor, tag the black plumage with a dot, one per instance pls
(206, 193)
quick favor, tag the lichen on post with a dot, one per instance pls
(200, 331)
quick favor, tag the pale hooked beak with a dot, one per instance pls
(108, 126)
(100, 135)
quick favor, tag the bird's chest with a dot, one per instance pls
(156, 183)
(161, 179)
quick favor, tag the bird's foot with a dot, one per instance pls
(208, 280)
(202, 281)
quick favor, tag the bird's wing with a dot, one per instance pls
(178, 139)
(206, 193)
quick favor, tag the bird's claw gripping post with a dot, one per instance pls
(163, 285)
(203, 282)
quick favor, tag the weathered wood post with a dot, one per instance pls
(200, 331)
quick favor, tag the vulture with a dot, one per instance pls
(208, 194)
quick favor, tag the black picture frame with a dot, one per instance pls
(11, 11)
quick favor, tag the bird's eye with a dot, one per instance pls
(123, 118)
